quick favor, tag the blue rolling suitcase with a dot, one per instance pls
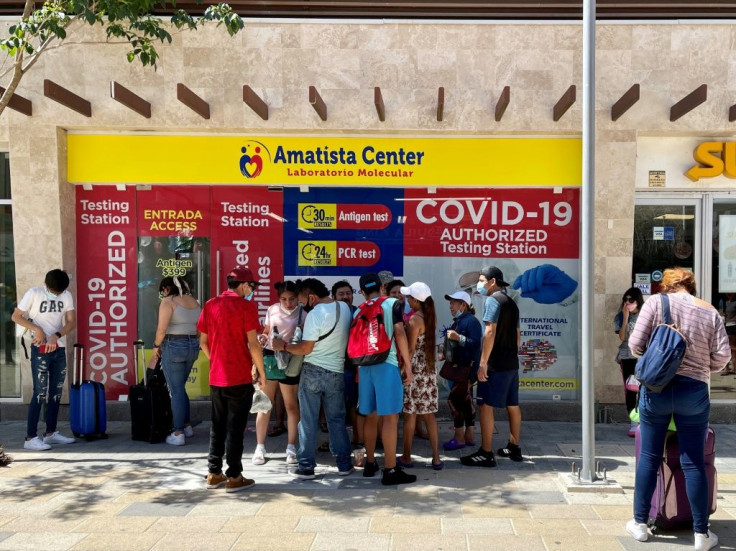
(87, 407)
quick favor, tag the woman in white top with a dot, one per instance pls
(282, 319)
(177, 343)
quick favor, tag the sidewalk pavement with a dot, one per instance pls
(117, 494)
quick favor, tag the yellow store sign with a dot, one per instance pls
(247, 160)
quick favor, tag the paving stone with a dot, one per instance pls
(40, 541)
(543, 527)
(177, 541)
(257, 542)
(188, 525)
(405, 524)
(115, 524)
(231, 507)
(348, 542)
(613, 512)
(562, 511)
(5, 535)
(262, 525)
(156, 510)
(113, 542)
(576, 543)
(409, 542)
(505, 543)
(477, 526)
(605, 527)
(332, 524)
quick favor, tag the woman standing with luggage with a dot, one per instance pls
(685, 398)
(282, 319)
(623, 325)
(177, 344)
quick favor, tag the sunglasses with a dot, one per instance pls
(630, 300)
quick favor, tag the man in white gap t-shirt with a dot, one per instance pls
(47, 311)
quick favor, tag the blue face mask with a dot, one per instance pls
(481, 287)
(250, 296)
(50, 295)
(407, 308)
(457, 314)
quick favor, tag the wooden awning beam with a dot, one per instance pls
(19, 103)
(193, 101)
(566, 101)
(315, 100)
(67, 98)
(378, 101)
(503, 102)
(121, 94)
(254, 101)
(440, 103)
(689, 102)
(625, 102)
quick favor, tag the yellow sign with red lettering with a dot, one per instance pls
(358, 161)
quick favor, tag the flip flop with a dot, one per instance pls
(438, 466)
(470, 444)
(403, 464)
(277, 431)
(453, 444)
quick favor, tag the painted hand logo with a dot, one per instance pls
(251, 165)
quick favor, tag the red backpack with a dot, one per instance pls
(368, 342)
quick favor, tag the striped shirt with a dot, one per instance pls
(707, 343)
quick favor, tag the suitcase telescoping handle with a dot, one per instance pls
(138, 349)
(78, 364)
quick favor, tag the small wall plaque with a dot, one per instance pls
(656, 178)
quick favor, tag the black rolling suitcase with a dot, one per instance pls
(150, 404)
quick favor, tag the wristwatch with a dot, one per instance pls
(58, 335)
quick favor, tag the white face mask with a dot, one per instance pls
(286, 311)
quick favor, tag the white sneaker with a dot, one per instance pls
(175, 439)
(188, 431)
(259, 456)
(291, 455)
(703, 542)
(638, 530)
(58, 438)
(36, 444)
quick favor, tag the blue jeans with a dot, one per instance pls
(318, 385)
(686, 399)
(177, 357)
(49, 372)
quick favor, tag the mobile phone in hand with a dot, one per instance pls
(42, 349)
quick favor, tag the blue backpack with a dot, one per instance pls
(663, 356)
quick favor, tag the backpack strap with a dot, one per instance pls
(666, 317)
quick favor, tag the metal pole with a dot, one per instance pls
(587, 473)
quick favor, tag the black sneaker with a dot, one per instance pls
(512, 451)
(480, 458)
(304, 474)
(370, 469)
(397, 475)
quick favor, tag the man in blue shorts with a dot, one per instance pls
(381, 391)
(498, 371)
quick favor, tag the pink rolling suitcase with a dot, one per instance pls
(670, 508)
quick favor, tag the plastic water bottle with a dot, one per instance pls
(297, 337)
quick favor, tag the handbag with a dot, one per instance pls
(454, 372)
(261, 403)
(295, 362)
(450, 347)
(662, 358)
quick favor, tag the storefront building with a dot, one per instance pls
(399, 176)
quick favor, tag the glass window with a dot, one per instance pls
(664, 236)
(9, 365)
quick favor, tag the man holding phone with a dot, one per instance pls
(47, 311)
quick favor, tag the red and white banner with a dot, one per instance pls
(498, 223)
(106, 285)
(248, 230)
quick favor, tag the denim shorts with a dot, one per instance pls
(500, 390)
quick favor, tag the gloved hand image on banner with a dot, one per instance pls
(546, 284)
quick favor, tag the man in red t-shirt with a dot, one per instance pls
(228, 329)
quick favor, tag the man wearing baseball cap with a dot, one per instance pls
(228, 327)
(380, 388)
(498, 371)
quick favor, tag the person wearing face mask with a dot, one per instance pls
(623, 325)
(323, 345)
(498, 370)
(47, 311)
(467, 332)
(281, 321)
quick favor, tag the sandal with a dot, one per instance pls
(438, 466)
(453, 444)
(404, 464)
(277, 431)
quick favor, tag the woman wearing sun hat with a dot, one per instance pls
(421, 397)
(467, 332)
